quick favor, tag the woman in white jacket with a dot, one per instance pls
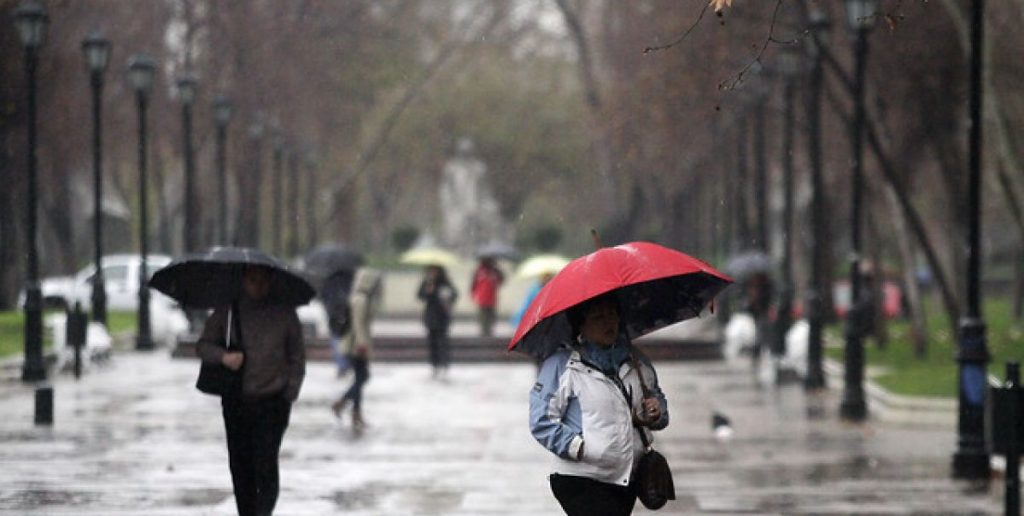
(588, 408)
(358, 343)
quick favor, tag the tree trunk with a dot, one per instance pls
(912, 291)
(600, 142)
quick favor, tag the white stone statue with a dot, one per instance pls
(468, 208)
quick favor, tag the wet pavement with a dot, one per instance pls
(134, 437)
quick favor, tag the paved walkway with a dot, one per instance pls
(134, 437)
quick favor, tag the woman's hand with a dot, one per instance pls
(233, 360)
(652, 410)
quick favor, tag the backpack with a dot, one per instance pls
(334, 293)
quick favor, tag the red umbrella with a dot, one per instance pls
(655, 286)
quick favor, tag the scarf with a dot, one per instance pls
(607, 359)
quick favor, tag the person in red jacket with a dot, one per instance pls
(484, 291)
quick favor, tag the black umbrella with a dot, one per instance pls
(214, 278)
(327, 260)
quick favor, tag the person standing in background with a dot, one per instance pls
(487, 278)
(439, 296)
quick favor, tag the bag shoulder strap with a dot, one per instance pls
(646, 392)
(233, 327)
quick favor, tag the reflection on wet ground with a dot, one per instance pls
(136, 438)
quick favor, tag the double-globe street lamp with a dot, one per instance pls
(141, 69)
(187, 86)
(861, 16)
(222, 115)
(31, 21)
(97, 55)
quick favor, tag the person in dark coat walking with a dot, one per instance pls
(439, 296)
(272, 362)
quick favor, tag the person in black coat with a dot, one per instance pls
(438, 295)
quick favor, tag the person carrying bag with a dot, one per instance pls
(214, 377)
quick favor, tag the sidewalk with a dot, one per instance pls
(136, 438)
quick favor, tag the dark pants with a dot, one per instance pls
(254, 431)
(487, 314)
(361, 367)
(437, 338)
(580, 496)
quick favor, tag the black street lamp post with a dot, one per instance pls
(97, 55)
(860, 15)
(141, 69)
(222, 115)
(789, 68)
(187, 86)
(815, 378)
(31, 21)
(971, 459)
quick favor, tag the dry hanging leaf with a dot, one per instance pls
(720, 4)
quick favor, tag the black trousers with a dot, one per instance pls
(437, 338)
(254, 432)
(487, 315)
(581, 496)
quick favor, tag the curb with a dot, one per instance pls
(896, 408)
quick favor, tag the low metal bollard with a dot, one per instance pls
(44, 405)
(1005, 428)
(78, 322)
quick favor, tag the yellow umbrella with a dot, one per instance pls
(429, 256)
(541, 264)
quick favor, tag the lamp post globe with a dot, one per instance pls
(222, 115)
(141, 71)
(31, 22)
(96, 50)
(860, 14)
(187, 91)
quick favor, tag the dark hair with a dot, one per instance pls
(578, 312)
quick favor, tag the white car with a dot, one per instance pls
(120, 277)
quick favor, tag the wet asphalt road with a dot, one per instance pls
(134, 437)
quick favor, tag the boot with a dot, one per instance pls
(357, 419)
(338, 406)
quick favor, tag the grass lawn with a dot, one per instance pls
(12, 324)
(936, 375)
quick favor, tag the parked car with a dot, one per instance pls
(121, 279)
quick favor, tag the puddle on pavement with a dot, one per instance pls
(203, 497)
(35, 498)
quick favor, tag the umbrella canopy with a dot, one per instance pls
(214, 278)
(655, 286)
(497, 250)
(542, 264)
(429, 256)
(328, 259)
(744, 265)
